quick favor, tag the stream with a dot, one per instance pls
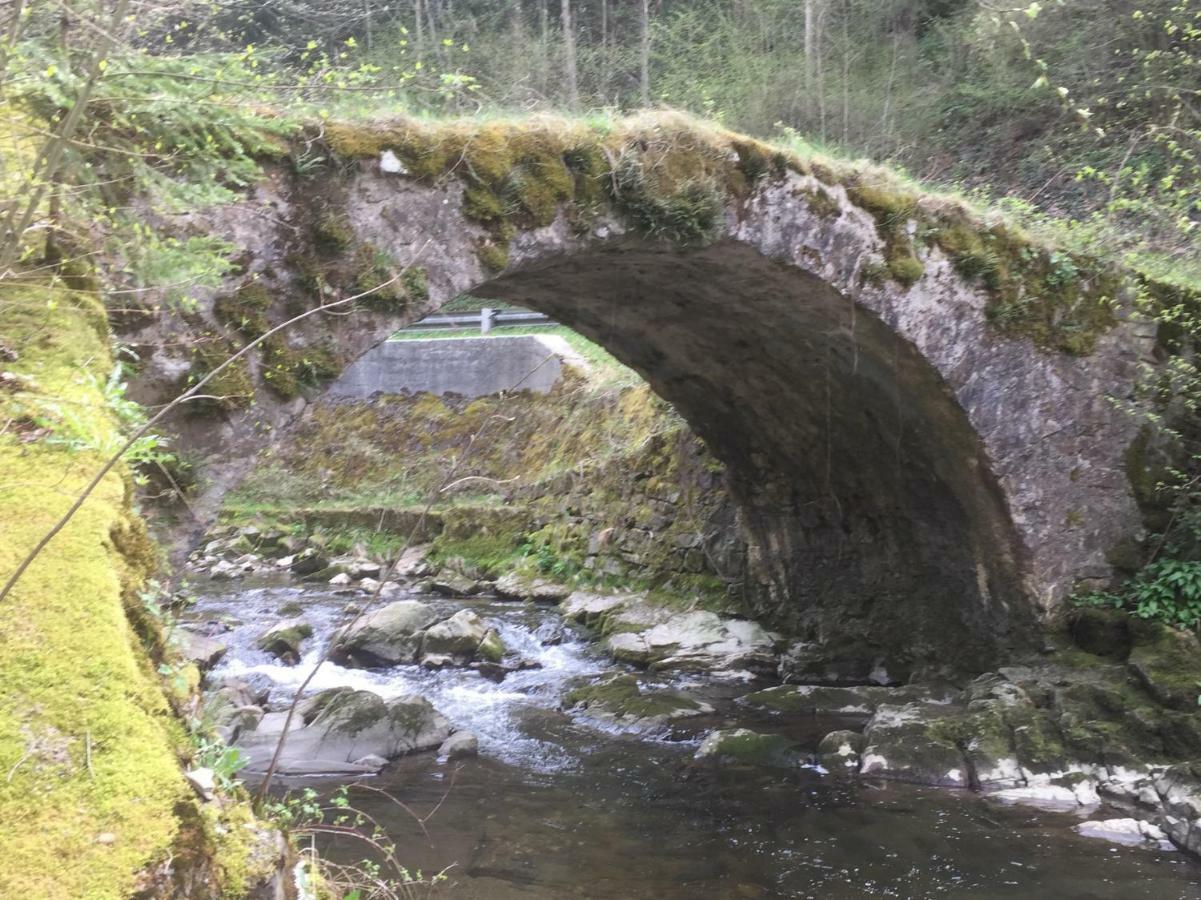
(561, 805)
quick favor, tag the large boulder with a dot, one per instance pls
(836, 700)
(901, 745)
(388, 636)
(343, 731)
(622, 701)
(523, 587)
(698, 641)
(1168, 663)
(457, 638)
(741, 746)
(200, 649)
(283, 639)
(591, 609)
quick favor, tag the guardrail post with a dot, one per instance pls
(486, 316)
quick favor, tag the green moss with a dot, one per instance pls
(332, 232)
(232, 389)
(823, 203)
(622, 697)
(76, 677)
(245, 310)
(287, 370)
(494, 255)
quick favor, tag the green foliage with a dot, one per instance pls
(1167, 591)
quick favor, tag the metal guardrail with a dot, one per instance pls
(486, 319)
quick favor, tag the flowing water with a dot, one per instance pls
(558, 806)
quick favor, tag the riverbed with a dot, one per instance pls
(559, 804)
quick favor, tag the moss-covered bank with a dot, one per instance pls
(92, 794)
(594, 484)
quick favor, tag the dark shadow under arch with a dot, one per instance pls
(877, 529)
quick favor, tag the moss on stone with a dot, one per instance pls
(622, 697)
(76, 677)
(232, 389)
(287, 370)
(823, 203)
(245, 310)
(493, 255)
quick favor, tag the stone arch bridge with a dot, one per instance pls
(914, 404)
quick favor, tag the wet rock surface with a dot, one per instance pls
(621, 700)
(345, 731)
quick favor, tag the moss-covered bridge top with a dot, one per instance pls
(672, 177)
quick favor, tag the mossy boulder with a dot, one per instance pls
(491, 649)
(838, 751)
(831, 700)
(901, 745)
(346, 731)
(458, 638)
(516, 586)
(283, 639)
(1168, 663)
(741, 746)
(387, 636)
(620, 699)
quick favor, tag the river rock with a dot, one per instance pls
(831, 700)
(1060, 794)
(308, 562)
(233, 707)
(491, 649)
(283, 639)
(200, 649)
(1179, 789)
(457, 638)
(807, 663)
(621, 700)
(698, 641)
(341, 579)
(745, 747)
(901, 745)
(1168, 663)
(460, 745)
(515, 586)
(590, 609)
(839, 751)
(386, 637)
(454, 584)
(1128, 832)
(339, 734)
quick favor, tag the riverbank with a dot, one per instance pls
(93, 743)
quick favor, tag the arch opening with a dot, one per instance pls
(877, 533)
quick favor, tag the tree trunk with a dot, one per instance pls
(604, 60)
(418, 29)
(811, 12)
(569, 63)
(644, 71)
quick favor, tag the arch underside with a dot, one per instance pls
(876, 528)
